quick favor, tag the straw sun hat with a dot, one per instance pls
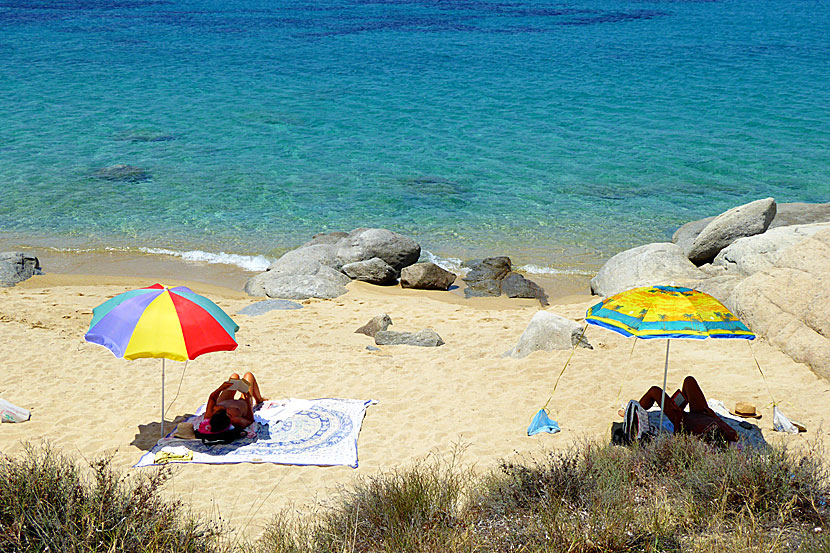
(746, 410)
(184, 431)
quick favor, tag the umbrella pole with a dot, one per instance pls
(162, 397)
(663, 397)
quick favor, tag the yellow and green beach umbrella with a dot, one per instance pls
(167, 323)
(667, 312)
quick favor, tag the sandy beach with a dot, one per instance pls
(89, 403)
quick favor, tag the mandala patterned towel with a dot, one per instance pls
(319, 432)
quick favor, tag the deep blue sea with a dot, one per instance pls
(557, 132)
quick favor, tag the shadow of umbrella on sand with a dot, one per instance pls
(167, 323)
(667, 312)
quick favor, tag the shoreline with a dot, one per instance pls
(117, 266)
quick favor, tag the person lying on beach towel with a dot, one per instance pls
(224, 409)
(699, 420)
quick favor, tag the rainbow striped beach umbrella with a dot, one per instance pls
(667, 312)
(167, 323)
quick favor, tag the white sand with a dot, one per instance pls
(89, 403)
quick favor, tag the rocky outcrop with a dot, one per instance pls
(426, 276)
(378, 323)
(373, 271)
(757, 253)
(789, 304)
(786, 214)
(745, 220)
(514, 285)
(547, 332)
(658, 263)
(326, 254)
(16, 267)
(423, 338)
(365, 243)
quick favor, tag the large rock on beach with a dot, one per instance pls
(485, 275)
(514, 285)
(426, 276)
(757, 253)
(122, 173)
(257, 285)
(745, 220)
(373, 271)
(378, 323)
(547, 332)
(658, 263)
(294, 287)
(786, 214)
(298, 261)
(16, 267)
(789, 304)
(423, 338)
(365, 243)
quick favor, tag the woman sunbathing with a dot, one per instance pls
(699, 420)
(225, 409)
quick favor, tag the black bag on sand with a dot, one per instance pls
(224, 437)
(618, 436)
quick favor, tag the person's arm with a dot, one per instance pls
(214, 396)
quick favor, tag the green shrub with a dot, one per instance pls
(48, 503)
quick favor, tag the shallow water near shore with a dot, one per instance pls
(556, 132)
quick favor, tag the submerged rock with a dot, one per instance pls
(122, 173)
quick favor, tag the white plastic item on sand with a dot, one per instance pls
(12, 413)
(781, 423)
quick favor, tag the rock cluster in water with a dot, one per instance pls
(768, 263)
(493, 276)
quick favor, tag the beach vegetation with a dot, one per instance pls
(50, 502)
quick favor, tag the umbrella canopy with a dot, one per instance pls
(667, 312)
(170, 323)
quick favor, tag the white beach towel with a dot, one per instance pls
(10, 412)
(320, 432)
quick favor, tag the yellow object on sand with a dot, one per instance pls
(164, 457)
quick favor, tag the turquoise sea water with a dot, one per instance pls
(557, 132)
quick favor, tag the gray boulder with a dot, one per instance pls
(547, 332)
(745, 220)
(257, 284)
(514, 285)
(786, 214)
(297, 261)
(752, 254)
(658, 263)
(330, 238)
(365, 243)
(294, 287)
(264, 306)
(373, 271)
(16, 267)
(485, 275)
(378, 323)
(426, 276)
(789, 304)
(423, 338)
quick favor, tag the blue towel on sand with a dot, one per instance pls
(542, 423)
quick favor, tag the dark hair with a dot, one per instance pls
(220, 420)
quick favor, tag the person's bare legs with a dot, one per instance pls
(653, 397)
(254, 391)
(694, 395)
(228, 394)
